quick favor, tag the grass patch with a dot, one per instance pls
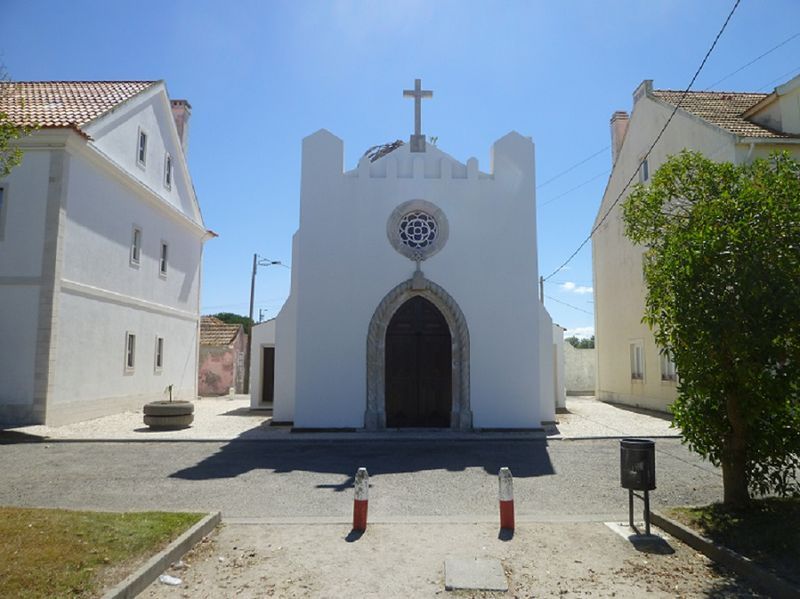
(61, 553)
(768, 531)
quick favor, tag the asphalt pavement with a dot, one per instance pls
(553, 479)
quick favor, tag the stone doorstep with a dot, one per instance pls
(474, 575)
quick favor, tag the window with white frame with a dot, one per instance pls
(159, 354)
(637, 360)
(130, 351)
(668, 372)
(162, 261)
(168, 171)
(2, 211)
(136, 245)
(644, 171)
(141, 148)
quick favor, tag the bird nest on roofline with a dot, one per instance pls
(379, 151)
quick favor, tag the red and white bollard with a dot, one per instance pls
(506, 499)
(361, 500)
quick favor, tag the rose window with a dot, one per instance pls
(417, 229)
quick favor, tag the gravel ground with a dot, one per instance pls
(542, 560)
(228, 418)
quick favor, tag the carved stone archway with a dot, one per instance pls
(375, 414)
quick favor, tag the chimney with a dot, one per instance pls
(181, 111)
(619, 127)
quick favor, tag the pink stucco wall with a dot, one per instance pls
(222, 368)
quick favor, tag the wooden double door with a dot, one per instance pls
(418, 367)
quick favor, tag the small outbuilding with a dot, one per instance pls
(262, 364)
(222, 353)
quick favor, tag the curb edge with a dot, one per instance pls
(773, 584)
(153, 567)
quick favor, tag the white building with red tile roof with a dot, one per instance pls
(735, 127)
(101, 240)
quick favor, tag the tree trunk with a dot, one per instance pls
(734, 457)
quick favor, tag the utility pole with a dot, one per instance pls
(256, 263)
(249, 336)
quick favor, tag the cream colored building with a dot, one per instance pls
(724, 126)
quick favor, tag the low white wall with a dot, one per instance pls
(579, 370)
(261, 335)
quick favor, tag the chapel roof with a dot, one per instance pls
(723, 109)
(64, 104)
(215, 332)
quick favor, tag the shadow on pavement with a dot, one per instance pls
(13, 437)
(651, 544)
(354, 535)
(505, 534)
(525, 458)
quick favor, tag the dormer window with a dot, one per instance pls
(168, 171)
(141, 149)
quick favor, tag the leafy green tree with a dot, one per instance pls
(587, 343)
(10, 156)
(231, 318)
(722, 270)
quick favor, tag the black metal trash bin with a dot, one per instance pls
(637, 464)
(637, 472)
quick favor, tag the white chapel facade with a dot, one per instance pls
(413, 297)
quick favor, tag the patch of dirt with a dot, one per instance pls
(407, 560)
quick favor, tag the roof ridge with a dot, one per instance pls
(83, 81)
(680, 91)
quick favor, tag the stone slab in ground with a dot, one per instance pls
(474, 575)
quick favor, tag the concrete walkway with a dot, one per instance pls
(228, 418)
(587, 418)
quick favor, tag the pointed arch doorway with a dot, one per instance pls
(418, 367)
(375, 415)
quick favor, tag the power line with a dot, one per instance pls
(653, 145)
(755, 60)
(572, 168)
(569, 191)
(558, 301)
(781, 78)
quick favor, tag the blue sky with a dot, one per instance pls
(261, 75)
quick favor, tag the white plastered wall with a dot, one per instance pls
(21, 249)
(262, 335)
(344, 266)
(104, 295)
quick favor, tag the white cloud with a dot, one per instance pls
(579, 332)
(573, 288)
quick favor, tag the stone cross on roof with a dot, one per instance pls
(417, 139)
